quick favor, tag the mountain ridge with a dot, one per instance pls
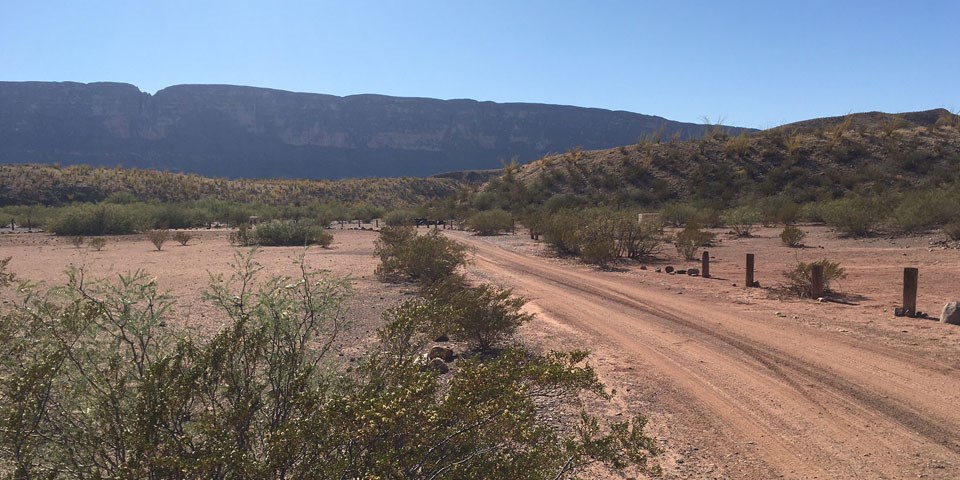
(253, 132)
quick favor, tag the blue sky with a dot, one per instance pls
(752, 63)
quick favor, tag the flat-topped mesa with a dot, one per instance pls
(236, 131)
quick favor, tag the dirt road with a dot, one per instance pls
(733, 393)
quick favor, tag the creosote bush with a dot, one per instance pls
(599, 235)
(182, 238)
(689, 240)
(425, 259)
(741, 220)
(490, 222)
(97, 384)
(289, 233)
(800, 277)
(792, 236)
(158, 237)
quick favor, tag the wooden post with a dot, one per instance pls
(358, 224)
(910, 276)
(705, 264)
(341, 224)
(816, 280)
(377, 224)
(750, 263)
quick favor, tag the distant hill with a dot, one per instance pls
(247, 132)
(54, 186)
(865, 153)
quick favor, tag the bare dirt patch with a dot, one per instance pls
(749, 383)
(184, 271)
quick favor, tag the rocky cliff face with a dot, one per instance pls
(233, 131)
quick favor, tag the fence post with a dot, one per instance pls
(705, 264)
(816, 279)
(910, 277)
(750, 263)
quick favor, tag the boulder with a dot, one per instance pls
(438, 365)
(442, 338)
(668, 269)
(693, 272)
(951, 313)
(443, 353)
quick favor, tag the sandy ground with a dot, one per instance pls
(184, 271)
(737, 383)
(748, 383)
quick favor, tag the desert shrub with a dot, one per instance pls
(600, 235)
(77, 241)
(88, 219)
(6, 278)
(680, 214)
(779, 209)
(742, 220)
(952, 231)
(853, 217)
(689, 240)
(97, 243)
(490, 222)
(560, 231)
(641, 240)
(130, 397)
(800, 277)
(289, 233)
(366, 213)
(485, 315)
(241, 237)
(158, 237)
(399, 217)
(426, 259)
(792, 236)
(922, 211)
(597, 238)
(182, 238)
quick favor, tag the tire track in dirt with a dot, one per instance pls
(766, 385)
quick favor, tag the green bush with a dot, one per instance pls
(792, 236)
(689, 241)
(129, 396)
(426, 259)
(490, 222)
(952, 231)
(560, 231)
(483, 316)
(93, 220)
(922, 211)
(800, 277)
(289, 233)
(366, 213)
(742, 220)
(399, 217)
(852, 217)
(680, 214)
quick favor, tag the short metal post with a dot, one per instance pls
(750, 263)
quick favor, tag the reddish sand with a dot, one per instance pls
(738, 383)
